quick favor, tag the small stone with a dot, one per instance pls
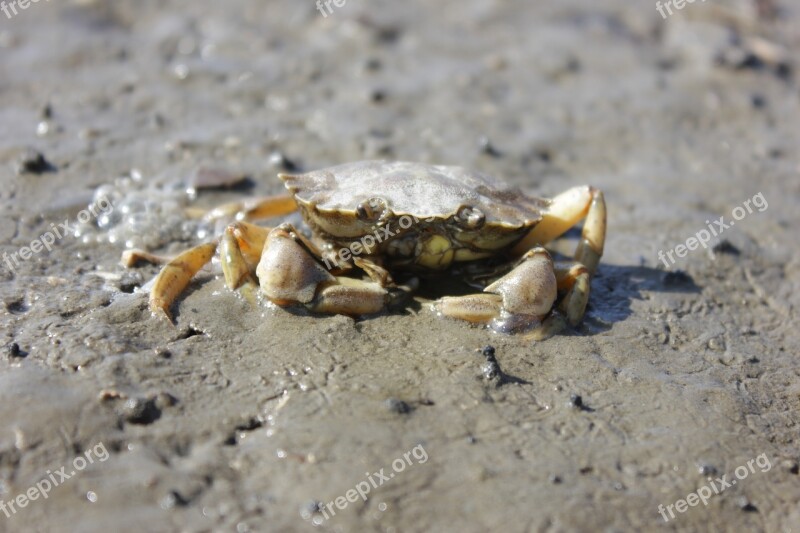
(215, 178)
(141, 411)
(15, 351)
(716, 344)
(706, 470)
(790, 466)
(397, 406)
(487, 147)
(129, 281)
(173, 499)
(490, 370)
(575, 401)
(310, 509)
(725, 247)
(33, 162)
(746, 505)
(377, 95)
(279, 160)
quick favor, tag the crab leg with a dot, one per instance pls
(250, 239)
(475, 308)
(267, 207)
(176, 275)
(348, 296)
(376, 273)
(574, 278)
(242, 246)
(566, 210)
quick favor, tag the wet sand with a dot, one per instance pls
(258, 419)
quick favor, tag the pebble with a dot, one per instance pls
(279, 160)
(491, 368)
(141, 411)
(32, 161)
(397, 406)
(15, 351)
(488, 148)
(725, 247)
(575, 401)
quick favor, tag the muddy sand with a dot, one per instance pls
(674, 405)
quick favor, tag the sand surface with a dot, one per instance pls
(258, 419)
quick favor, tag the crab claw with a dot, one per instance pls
(287, 273)
(529, 289)
(520, 300)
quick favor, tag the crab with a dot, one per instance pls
(373, 221)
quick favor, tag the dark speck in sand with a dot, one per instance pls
(34, 162)
(576, 402)
(279, 160)
(173, 499)
(141, 411)
(488, 148)
(746, 505)
(725, 247)
(15, 351)
(491, 368)
(707, 470)
(397, 406)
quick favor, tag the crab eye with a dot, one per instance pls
(469, 217)
(371, 210)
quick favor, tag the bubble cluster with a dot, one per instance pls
(145, 215)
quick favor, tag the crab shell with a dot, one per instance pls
(457, 214)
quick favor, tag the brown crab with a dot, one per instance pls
(371, 219)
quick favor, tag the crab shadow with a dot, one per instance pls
(613, 289)
(616, 287)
